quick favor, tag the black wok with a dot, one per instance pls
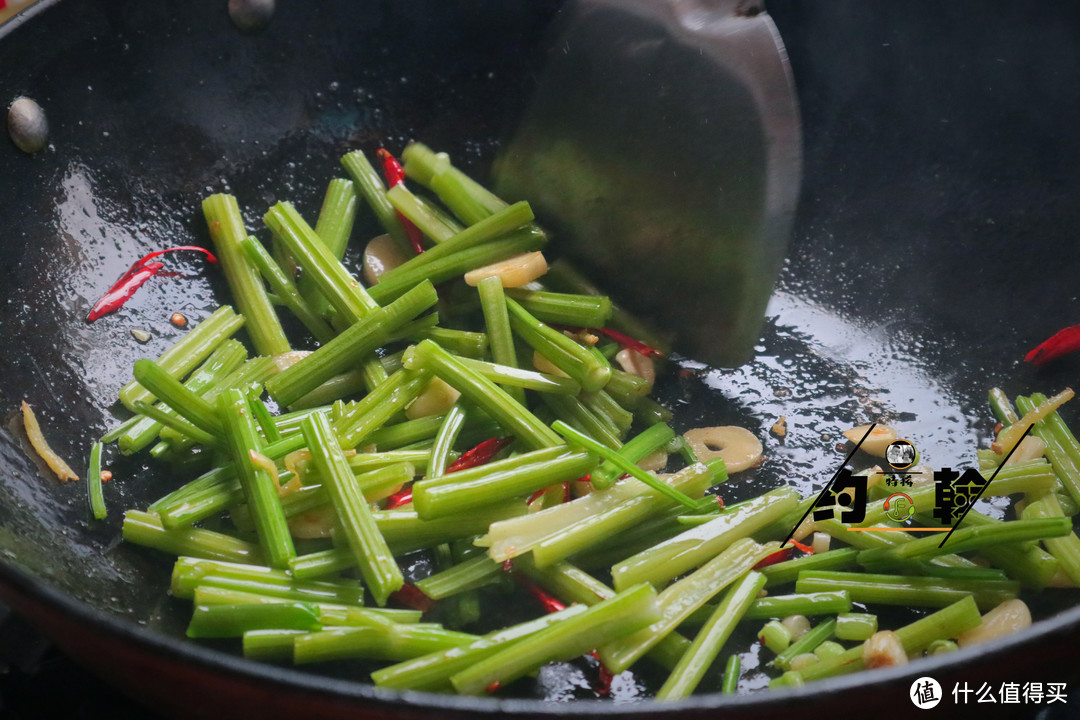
(934, 244)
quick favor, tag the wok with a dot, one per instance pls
(934, 244)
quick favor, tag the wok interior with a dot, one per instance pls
(934, 245)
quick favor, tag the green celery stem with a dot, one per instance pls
(221, 621)
(483, 393)
(343, 352)
(285, 290)
(711, 638)
(872, 588)
(145, 528)
(93, 483)
(607, 621)
(497, 322)
(189, 351)
(371, 187)
(342, 290)
(591, 371)
(260, 490)
(171, 392)
(377, 564)
(227, 232)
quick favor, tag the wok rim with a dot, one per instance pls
(27, 588)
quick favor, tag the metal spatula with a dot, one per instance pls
(663, 147)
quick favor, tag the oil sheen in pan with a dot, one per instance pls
(825, 373)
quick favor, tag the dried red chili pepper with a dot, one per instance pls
(549, 602)
(122, 291)
(133, 278)
(784, 553)
(779, 556)
(552, 604)
(621, 338)
(603, 685)
(392, 170)
(480, 454)
(540, 493)
(628, 342)
(401, 497)
(802, 546)
(412, 597)
(395, 175)
(1062, 342)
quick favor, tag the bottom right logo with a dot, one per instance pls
(925, 693)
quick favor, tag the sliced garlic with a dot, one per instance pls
(514, 272)
(1030, 448)
(542, 364)
(27, 126)
(285, 360)
(317, 523)
(41, 446)
(1008, 617)
(884, 649)
(381, 255)
(739, 448)
(635, 363)
(654, 462)
(878, 440)
(797, 625)
(436, 399)
(821, 542)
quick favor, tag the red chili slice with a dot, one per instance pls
(401, 497)
(802, 546)
(1061, 343)
(628, 342)
(549, 602)
(416, 238)
(779, 556)
(480, 455)
(392, 170)
(395, 175)
(552, 604)
(122, 291)
(133, 278)
(413, 597)
(623, 339)
(540, 493)
(603, 685)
